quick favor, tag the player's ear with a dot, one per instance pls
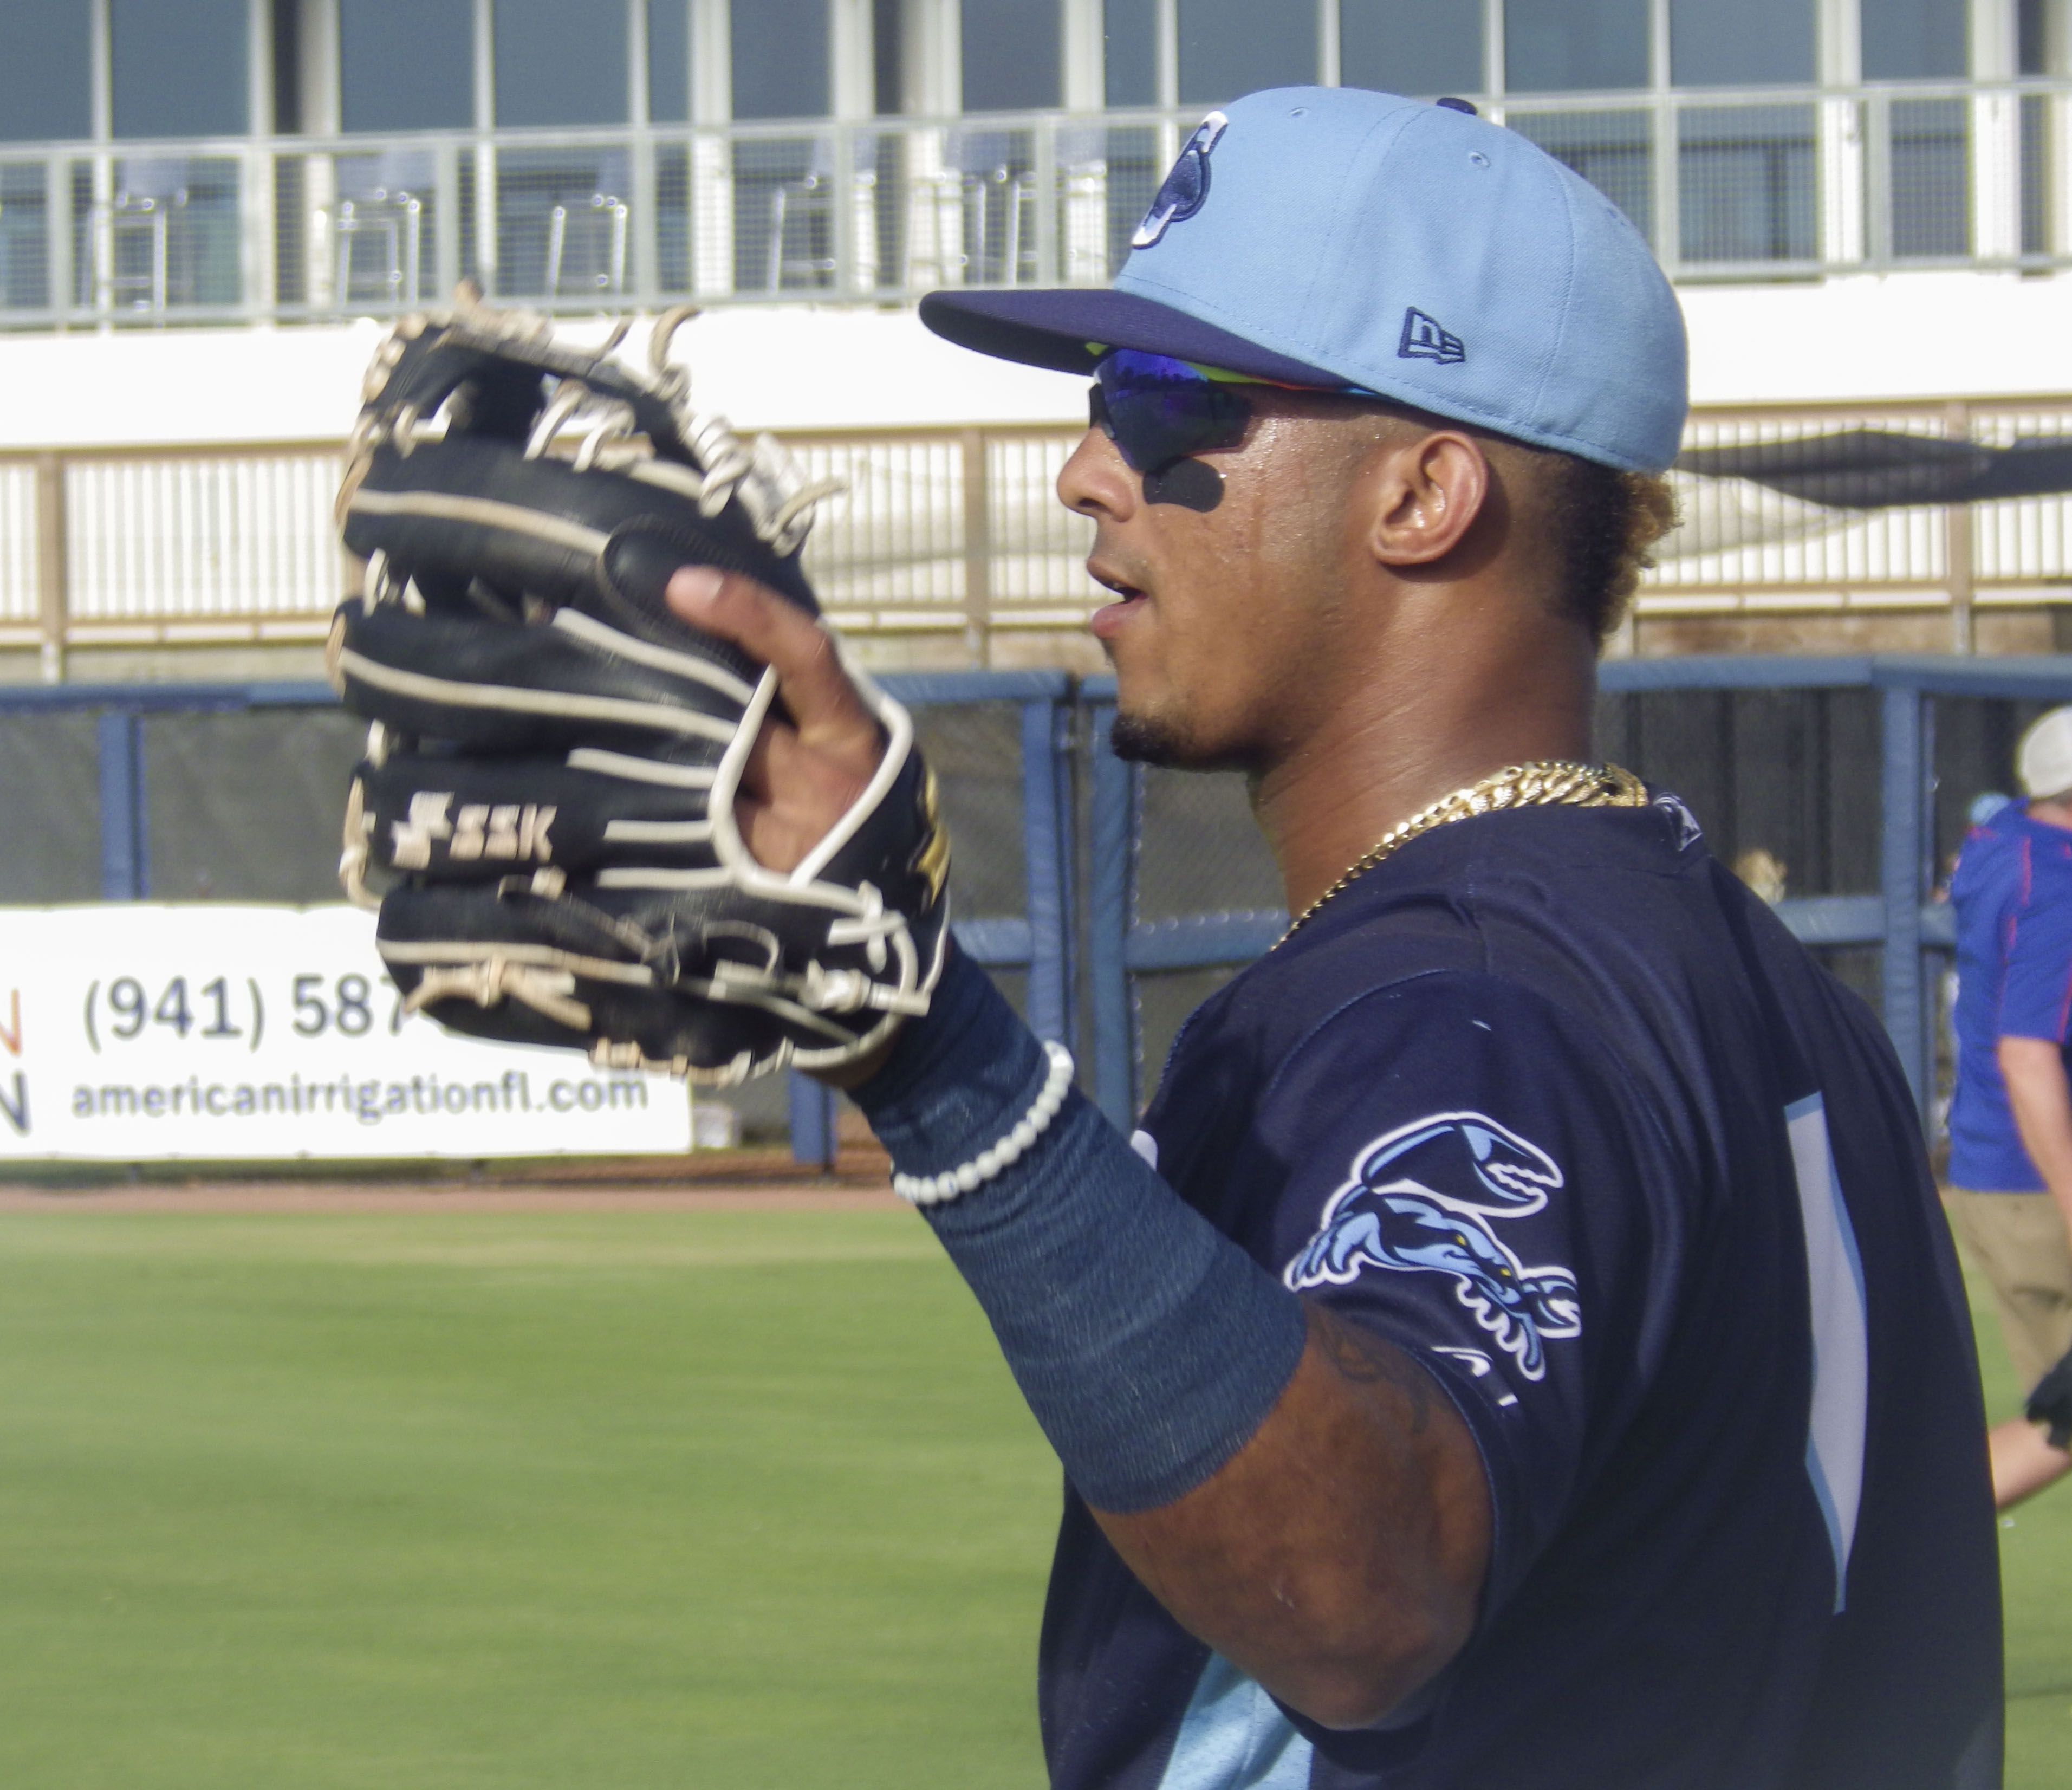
(1422, 493)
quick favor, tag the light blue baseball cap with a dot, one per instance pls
(1334, 237)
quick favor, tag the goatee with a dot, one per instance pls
(1137, 740)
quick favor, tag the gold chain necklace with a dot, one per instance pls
(1544, 782)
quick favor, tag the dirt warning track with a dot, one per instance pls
(752, 1180)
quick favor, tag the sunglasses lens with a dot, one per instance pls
(1157, 410)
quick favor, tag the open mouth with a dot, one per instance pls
(1129, 593)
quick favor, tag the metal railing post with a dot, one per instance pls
(124, 865)
(58, 234)
(52, 573)
(1901, 855)
(978, 547)
(1958, 554)
(1044, 859)
(813, 1115)
(1107, 925)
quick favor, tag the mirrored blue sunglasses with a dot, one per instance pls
(1157, 410)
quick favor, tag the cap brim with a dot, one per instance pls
(1054, 328)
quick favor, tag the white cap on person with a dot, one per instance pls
(2043, 761)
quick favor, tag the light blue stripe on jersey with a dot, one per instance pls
(1841, 1345)
(1234, 1737)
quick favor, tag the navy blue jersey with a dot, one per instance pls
(1550, 1101)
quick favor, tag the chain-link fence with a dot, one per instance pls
(1839, 789)
(236, 793)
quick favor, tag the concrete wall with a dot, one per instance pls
(1955, 334)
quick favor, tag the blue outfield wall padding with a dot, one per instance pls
(1732, 671)
(1110, 874)
(2044, 678)
(920, 687)
(125, 863)
(166, 698)
(997, 944)
(1048, 941)
(1043, 856)
(1902, 863)
(1203, 941)
(1834, 919)
(811, 1110)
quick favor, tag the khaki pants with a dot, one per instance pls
(2018, 1241)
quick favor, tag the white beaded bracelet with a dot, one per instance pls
(932, 1189)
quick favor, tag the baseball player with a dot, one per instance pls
(2010, 1200)
(1522, 1346)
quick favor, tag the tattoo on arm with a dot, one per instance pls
(1365, 1360)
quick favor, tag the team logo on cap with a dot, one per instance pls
(1185, 187)
(1424, 339)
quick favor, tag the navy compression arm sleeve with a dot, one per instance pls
(1148, 1344)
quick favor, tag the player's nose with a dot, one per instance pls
(1096, 481)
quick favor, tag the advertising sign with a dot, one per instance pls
(139, 1031)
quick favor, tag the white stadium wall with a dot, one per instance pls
(1955, 334)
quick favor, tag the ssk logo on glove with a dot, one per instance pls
(511, 833)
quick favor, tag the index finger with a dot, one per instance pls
(824, 704)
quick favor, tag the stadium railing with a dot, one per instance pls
(958, 533)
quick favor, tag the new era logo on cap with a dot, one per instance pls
(1424, 339)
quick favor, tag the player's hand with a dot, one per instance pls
(805, 772)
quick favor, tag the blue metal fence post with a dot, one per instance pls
(1064, 783)
(1901, 860)
(1108, 925)
(1043, 859)
(125, 873)
(812, 1111)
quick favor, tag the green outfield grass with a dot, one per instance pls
(418, 1501)
(585, 1502)
(2035, 1579)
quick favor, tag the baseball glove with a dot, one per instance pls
(548, 796)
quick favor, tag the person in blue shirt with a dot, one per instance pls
(1521, 1345)
(2010, 1200)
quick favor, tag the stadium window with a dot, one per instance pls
(1913, 39)
(179, 71)
(1422, 47)
(1751, 44)
(1932, 188)
(1009, 55)
(1232, 46)
(888, 60)
(780, 59)
(45, 84)
(560, 62)
(1575, 46)
(1746, 185)
(405, 64)
(2039, 37)
(668, 62)
(1129, 51)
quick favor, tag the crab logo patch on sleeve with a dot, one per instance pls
(1421, 1200)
